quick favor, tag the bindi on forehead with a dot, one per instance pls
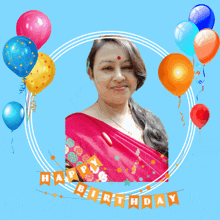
(118, 57)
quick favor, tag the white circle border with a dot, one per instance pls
(156, 48)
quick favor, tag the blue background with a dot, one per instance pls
(71, 91)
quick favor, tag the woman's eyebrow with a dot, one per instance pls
(111, 61)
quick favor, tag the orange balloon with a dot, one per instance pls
(41, 75)
(206, 45)
(176, 73)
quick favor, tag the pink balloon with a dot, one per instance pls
(34, 25)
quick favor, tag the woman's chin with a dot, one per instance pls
(118, 100)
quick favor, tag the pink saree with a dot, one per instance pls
(122, 156)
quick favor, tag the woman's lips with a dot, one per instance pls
(119, 88)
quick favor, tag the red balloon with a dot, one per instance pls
(199, 115)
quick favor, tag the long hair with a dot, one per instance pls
(155, 135)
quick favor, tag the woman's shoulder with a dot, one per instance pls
(74, 116)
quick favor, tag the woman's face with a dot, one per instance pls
(113, 74)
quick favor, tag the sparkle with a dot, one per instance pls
(22, 43)
(29, 42)
(21, 65)
(6, 54)
(19, 56)
(31, 63)
(117, 157)
(8, 63)
(32, 53)
(15, 67)
(6, 46)
(127, 182)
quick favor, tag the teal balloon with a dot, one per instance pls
(13, 115)
(185, 33)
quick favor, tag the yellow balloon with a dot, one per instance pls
(41, 75)
(176, 73)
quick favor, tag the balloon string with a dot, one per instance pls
(193, 62)
(11, 143)
(179, 111)
(199, 133)
(200, 81)
(33, 105)
(22, 85)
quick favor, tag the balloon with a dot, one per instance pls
(185, 33)
(202, 16)
(176, 73)
(206, 45)
(20, 55)
(13, 115)
(41, 75)
(199, 115)
(34, 25)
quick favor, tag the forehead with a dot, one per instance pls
(111, 51)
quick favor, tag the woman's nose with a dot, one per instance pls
(118, 76)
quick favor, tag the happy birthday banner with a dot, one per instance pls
(71, 173)
(134, 200)
(106, 197)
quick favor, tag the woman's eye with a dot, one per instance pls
(108, 68)
(128, 67)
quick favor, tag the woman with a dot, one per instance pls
(128, 140)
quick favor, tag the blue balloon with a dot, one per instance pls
(185, 33)
(13, 115)
(20, 55)
(202, 16)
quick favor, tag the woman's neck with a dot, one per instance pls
(113, 110)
